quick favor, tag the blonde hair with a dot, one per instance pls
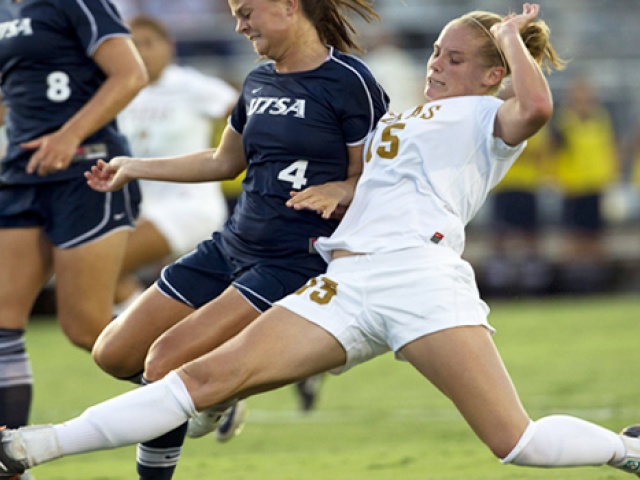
(536, 37)
(330, 20)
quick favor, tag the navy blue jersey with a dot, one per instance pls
(296, 128)
(47, 74)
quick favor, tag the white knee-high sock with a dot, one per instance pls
(137, 416)
(565, 441)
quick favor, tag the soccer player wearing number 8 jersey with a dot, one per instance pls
(66, 69)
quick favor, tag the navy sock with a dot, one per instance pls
(16, 380)
(157, 459)
(138, 379)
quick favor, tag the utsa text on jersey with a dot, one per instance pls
(16, 27)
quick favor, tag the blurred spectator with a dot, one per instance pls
(517, 266)
(629, 206)
(175, 114)
(587, 165)
(189, 18)
(396, 70)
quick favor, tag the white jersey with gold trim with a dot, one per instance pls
(421, 182)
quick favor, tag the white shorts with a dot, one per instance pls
(379, 302)
(185, 214)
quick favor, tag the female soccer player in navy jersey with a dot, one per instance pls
(299, 125)
(66, 70)
(396, 280)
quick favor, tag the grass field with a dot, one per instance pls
(381, 420)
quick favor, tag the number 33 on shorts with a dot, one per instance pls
(322, 290)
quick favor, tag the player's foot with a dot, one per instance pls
(209, 419)
(206, 421)
(10, 466)
(233, 422)
(308, 391)
(631, 462)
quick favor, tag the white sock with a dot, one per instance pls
(564, 441)
(137, 416)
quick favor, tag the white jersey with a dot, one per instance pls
(172, 117)
(427, 172)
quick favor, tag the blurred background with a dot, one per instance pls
(567, 220)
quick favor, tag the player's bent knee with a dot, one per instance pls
(83, 340)
(113, 362)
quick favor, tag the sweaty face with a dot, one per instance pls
(454, 69)
(263, 22)
(155, 50)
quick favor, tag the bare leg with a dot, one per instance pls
(201, 332)
(85, 284)
(25, 266)
(464, 364)
(146, 246)
(123, 345)
(278, 348)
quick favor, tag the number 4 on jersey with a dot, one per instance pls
(295, 174)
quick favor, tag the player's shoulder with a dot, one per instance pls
(96, 10)
(349, 63)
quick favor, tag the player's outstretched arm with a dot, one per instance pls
(224, 163)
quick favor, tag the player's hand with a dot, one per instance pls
(108, 176)
(324, 199)
(516, 23)
(52, 153)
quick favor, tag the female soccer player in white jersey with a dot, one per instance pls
(175, 114)
(301, 121)
(396, 281)
(66, 69)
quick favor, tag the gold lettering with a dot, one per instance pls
(325, 292)
(431, 113)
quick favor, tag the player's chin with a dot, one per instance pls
(260, 47)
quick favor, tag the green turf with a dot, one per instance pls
(381, 420)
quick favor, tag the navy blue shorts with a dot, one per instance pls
(202, 275)
(69, 212)
(583, 213)
(515, 210)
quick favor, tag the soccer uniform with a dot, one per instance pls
(427, 172)
(47, 75)
(295, 131)
(171, 117)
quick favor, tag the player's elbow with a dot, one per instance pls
(138, 79)
(538, 110)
